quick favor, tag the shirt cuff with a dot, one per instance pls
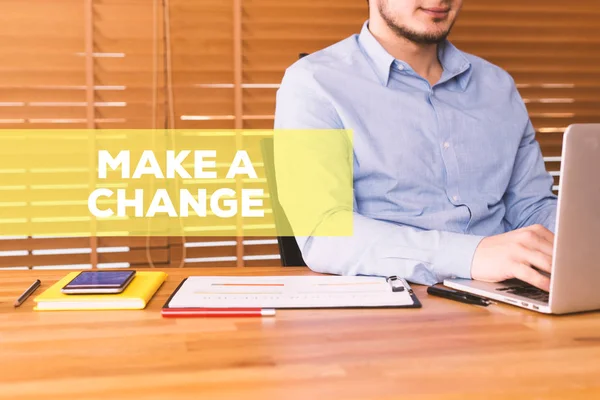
(455, 255)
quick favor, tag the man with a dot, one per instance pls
(449, 180)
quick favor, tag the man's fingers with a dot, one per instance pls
(543, 247)
(543, 233)
(537, 259)
(531, 276)
(535, 241)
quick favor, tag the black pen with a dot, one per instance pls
(28, 292)
(458, 296)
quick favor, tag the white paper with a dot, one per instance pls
(288, 292)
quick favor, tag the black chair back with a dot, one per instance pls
(288, 247)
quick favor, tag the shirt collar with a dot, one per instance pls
(453, 61)
(380, 60)
(455, 64)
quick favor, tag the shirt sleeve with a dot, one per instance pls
(529, 199)
(375, 247)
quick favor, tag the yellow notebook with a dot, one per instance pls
(134, 297)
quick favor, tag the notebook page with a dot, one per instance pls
(288, 292)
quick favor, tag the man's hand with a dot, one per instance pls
(513, 255)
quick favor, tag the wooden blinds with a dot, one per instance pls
(54, 57)
(218, 63)
(552, 50)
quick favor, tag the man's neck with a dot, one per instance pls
(423, 59)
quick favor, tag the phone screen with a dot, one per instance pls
(100, 279)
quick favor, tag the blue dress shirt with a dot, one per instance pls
(436, 168)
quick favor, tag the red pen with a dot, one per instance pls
(217, 312)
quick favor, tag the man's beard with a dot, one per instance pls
(415, 37)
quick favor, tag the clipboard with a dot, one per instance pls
(302, 292)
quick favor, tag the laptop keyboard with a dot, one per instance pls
(526, 290)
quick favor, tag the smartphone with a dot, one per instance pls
(99, 282)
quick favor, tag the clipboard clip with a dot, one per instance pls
(396, 283)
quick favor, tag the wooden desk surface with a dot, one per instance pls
(445, 350)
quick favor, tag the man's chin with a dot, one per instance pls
(428, 38)
(431, 34)
(433, 31)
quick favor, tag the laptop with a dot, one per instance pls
(575, 277)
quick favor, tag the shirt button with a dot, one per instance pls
(446, 145)
(455, 198)
(400, 67)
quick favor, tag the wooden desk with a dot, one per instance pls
(445, 350)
